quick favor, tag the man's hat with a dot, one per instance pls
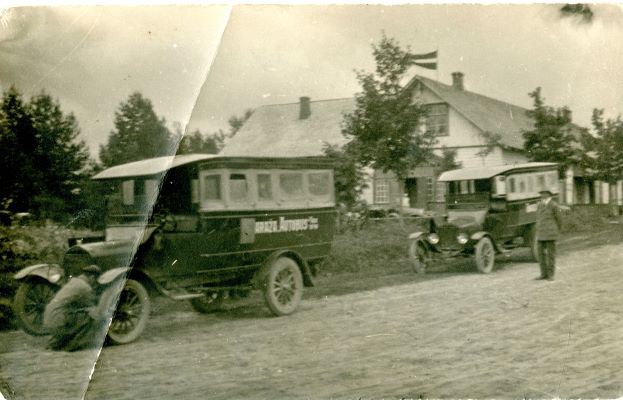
(92, 268)
(546, 191)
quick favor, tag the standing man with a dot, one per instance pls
(548, 223)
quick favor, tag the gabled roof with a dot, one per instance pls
(488, 172)
(487, 114)
(276, 130)
(150, 166)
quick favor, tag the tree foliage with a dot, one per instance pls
(139, 134)
(385, 127)
(552, 138)
(349, 179)
(41, 158)
(604, 155)
(236, 122)
(196, 142)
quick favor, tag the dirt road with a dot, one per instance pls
(501, 335)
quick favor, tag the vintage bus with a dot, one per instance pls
(488, 211)
(202, 228)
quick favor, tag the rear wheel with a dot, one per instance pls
(29, 304)
(209, 303)
(419, 257)
(283, 286)
(131, 315)
(485, 255)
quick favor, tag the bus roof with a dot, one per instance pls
(158, 165)
(464, 174)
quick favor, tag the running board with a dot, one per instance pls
(181, 295)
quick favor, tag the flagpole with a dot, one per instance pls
(437, 69)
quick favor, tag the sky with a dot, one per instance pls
(202, 64)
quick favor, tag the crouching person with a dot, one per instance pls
(73, 317)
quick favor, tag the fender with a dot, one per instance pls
(50, 272)
(258, 278)
(416, 235)
(110, 275)
(476, 236)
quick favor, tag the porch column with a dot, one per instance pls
(597, 188)
(605, 190)
(619, 192)
(569, 187)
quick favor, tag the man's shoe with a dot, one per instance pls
(550, 278)
(540, 278)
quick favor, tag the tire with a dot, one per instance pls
(29, 305)
(485, 255)
(419, 257)
(283, 286)
(209, 303)
(131, 314)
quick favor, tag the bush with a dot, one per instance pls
(378, 249)
(585, 217)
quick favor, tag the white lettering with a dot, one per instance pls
(287, 225)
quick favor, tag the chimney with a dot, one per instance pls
(305, 108)
(457, 80)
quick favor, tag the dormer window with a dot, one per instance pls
(437, 119)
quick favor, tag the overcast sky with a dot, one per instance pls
(92, 58)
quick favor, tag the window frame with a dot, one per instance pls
(435, 120)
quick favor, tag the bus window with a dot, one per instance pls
(483, 185)
(291, 185)
(264, 187)
(237, 187)
(511, 185)
(464, 187)
(531, 184)
(212, 187)
(522, 185)
(319, 183)
(540, 182)
(127, 190)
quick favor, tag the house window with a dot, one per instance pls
(430, 189)
(381, 191)
(437, 119)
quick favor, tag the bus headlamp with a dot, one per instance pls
(462, 238)
(433, 238)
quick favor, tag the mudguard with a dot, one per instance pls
(50, 272)
(110, 275)
(416, 235)
(476, 236)
(308, 280)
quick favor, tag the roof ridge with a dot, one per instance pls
(471, 92)
(311, 101)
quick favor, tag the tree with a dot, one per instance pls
(235, 122)
(604, 155)
(138, 134)
(448, 160)
(385, 127)
(41, 158)
(59, 155)
(349, 179)
(18, 141)
(196, 142)
(552, 137)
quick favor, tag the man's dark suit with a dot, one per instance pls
(548, 222)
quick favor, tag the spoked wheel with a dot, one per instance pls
(29, 305)
(283, 286)
(485, 255)
(209, 303)
(131, 315)
(419, 257)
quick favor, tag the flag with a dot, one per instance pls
(430, 58)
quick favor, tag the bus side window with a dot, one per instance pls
(212, 187)
(264, 187)
(511, 185)
(238, 189)
(541, 182)
(291, 185)
(319, 183)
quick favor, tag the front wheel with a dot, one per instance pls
(419, 257)
(485, 255)
(29, 305)
(131, 314)
(283, 286)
